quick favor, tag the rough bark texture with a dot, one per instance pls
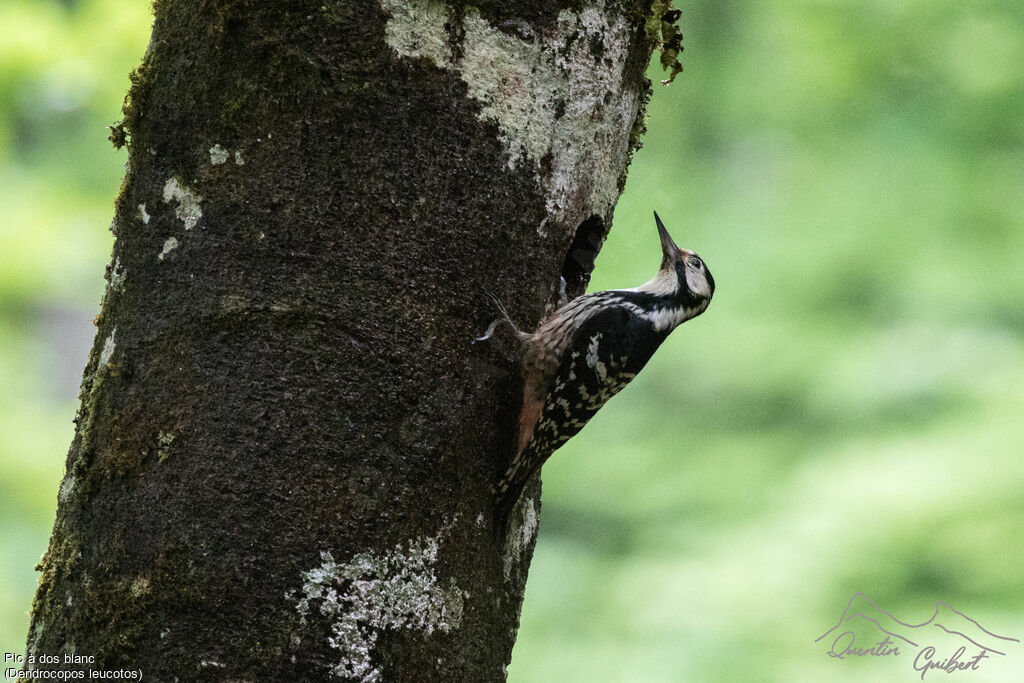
(286, 441)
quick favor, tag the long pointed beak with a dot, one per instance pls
(669, 249)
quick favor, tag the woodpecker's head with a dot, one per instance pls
(683, 277)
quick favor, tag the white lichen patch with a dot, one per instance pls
(372, 593)
(116, 275)
(67, 487)
(32, 647)
(524, 99)
(143, 214)
(218, 155)
(170, 244)
(140, 586)
(416, 28)
(163, 445)
(521, 533)
(108, 348)
(239, 161)
(558, 99)
(189, 209)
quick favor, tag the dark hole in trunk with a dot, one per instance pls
(579, 260)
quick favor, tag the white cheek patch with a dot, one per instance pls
(696, 282)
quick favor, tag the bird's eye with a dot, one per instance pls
(695, 262)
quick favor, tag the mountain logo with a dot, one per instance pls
(948, 641)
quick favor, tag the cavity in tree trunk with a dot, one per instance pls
(286, 443)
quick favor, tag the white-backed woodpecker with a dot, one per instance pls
(585, 352)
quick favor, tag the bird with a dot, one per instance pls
(591, 347)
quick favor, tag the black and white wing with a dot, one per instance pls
(606, 352)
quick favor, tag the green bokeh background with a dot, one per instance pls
(847, 416)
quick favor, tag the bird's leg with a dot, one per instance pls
(503, 319)
(490, 331)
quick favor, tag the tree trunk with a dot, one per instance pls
(286, 440)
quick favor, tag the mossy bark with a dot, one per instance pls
(286, 440)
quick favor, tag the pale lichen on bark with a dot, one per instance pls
(170, 244)
(218, 155)
(559, 97)
(67, 487)
(522, 531)
(417, 29)
(108, 348)
(189, 204)
(373, 593)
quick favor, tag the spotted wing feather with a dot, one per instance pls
(604, 354)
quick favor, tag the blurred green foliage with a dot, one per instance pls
(847, 416)
(63, 75)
